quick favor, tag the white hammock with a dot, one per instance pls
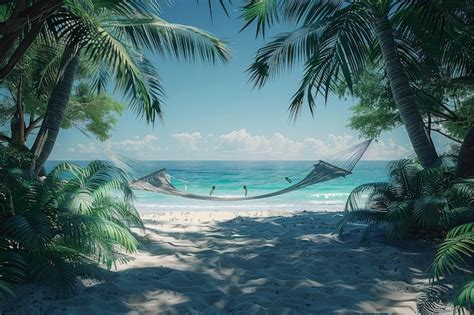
(337, 165)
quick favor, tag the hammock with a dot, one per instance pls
(337, 165)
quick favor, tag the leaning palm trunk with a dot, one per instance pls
(404, 97)
(55, 109)
(17, 122)
(466, 156)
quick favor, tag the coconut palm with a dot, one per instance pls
(336, 40)
(66, 226)
(117, 37)
(27, 92)
(21, 23)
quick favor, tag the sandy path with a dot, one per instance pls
(265, 262)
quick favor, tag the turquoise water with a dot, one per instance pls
(259, 177)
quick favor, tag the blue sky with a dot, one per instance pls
(213, 113)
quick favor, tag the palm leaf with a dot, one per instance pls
(283, 52)
(263, 12)
(465, 296)
(174, 40)
(429, 210)
(342, 54)
(452, 254)
(12, 268)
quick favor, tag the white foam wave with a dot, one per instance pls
(331, 195)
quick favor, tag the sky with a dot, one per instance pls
(211, 112)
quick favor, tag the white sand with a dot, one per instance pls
(259, 263)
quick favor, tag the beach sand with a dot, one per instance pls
(259, 262)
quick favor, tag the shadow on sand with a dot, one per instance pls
(270, 265)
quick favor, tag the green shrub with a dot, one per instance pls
(14, 157)
(67, 225)
(417, 202)
(458, 247)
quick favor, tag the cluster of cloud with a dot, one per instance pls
(149, 142)
(242, 145)
(138, 147)
(190, 140)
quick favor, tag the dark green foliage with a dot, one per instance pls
(98, 113)
(450, 104)
(413, 200)
(375, 110)
(337, 41)
(455, 256)
(12, 268)
(64, 226)
(418, 202)
(14, 157)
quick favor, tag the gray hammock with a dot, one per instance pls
(337, 165)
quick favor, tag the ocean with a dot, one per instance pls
(260, 177)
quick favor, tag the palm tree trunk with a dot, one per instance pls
(55, 109)
(466, 156)
(18, 120)
(404, 97)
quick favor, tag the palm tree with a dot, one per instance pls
(466, 156)
(29, 86)
(116, 36)
(21, 23)
(336, 40)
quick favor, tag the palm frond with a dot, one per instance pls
(12, 268)
(464, 298)
(452, 254)
(169, 39)
(400, 211)
(429, 211)
(342, 54)
(68, 225)
(370, 190)
(33, 230)
(59, 267)
(263, 12)
(283, 52)
(115, 42)
(402, 175)
(463, 189)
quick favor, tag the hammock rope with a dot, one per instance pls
(134, 167)
(339, 164)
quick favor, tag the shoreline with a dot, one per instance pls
(249, 262)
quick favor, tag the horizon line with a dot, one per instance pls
(169, 160)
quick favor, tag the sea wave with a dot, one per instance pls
(292, 207)
(331, 195)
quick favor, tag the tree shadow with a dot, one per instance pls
(270, 265)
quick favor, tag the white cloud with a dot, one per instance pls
(136, 146)
(241, 144)
(387, 150)
(189, 140)
(84, 148)
(148, 142)
(254, 146)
